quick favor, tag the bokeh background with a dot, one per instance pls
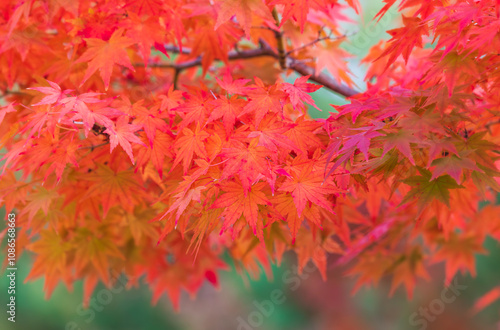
(308, 302)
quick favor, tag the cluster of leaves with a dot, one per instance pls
(128, 170)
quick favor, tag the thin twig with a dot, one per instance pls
(319, 39)
(307, 45)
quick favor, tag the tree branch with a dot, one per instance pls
(322, 79)
(233, 55)
(279, 39)
(264, 50)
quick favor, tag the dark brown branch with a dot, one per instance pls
(234, 55)
(177, 50)
(279, 39)
(176, 78)
(322, 79)
(264, 50)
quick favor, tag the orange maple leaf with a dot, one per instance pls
(103, 55)
(123, 134)
(264, 100)
(239, 201)
(189, 143)
(243, 9)
(307, 186)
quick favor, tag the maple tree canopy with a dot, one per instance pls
(150, 137)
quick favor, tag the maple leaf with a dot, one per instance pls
(145, 7)
(271, 135)
(370, 267)
(231, 86)
(228, 109)
(426, 189)
(248, 161)
(307, 186)
(194, 111)
(401, 140)
(38, 121)
(315, 248)
(211, 44)
(206, 223)
(96, 251)
(285, 205)
(140, 229)
(458, 253)
(406, 269)
(103, 55)
(51, 150)
(298, 92)
(88, 116)
(41, 199)
(21, 9)
(404, 39)
(332, 58)
(183, 199)
(479, 147)
(239, 201)
(243, 10)
(401, 105)
(426, 122)
(188, 144)
(51, 251)
(5, 110)
(149, 120)
(361, 140)
(485, 300)
(452, 66)
(486, 178)
(302, 134)
(123, 134)
(356, 107)
(355, 5)
(453, 166)
(437, 148)
(113, 187)
(298, 9)
(146, 32)
(171, 100)
(263, 100)
(54, 93)
(156, 153)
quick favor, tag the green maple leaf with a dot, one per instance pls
(425, 188)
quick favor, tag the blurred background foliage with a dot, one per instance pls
(309, 303)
